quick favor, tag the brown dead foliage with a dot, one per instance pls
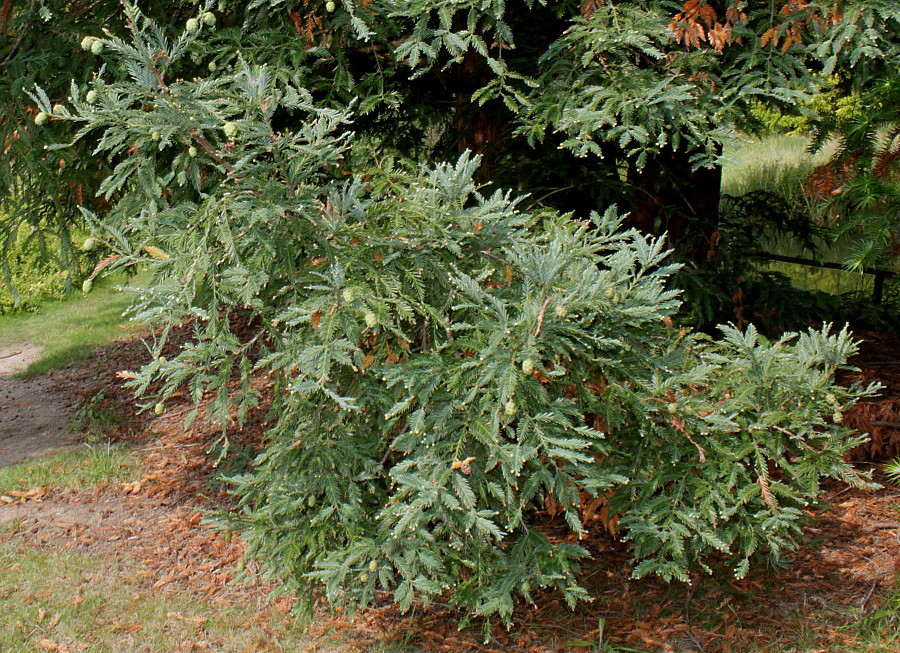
(878, 361)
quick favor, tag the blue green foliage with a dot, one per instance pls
(463, 385)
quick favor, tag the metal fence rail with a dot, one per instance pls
(880, 274)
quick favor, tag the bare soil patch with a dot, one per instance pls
(34, 412)
(17, 356)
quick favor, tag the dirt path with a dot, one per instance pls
(34, 412)
(156, 519)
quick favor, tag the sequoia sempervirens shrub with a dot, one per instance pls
(461, 387)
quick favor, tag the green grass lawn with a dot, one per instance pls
(89, 466)
(102, 603)
(68, 329)
(780, 164)
(742, 163)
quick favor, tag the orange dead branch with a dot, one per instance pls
(678, 423)
(766, 492)
(540, 320)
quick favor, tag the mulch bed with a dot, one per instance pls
(878, 361)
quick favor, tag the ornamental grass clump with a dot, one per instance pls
(462, 388)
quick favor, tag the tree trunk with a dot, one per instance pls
(667, 196)
(478, 128)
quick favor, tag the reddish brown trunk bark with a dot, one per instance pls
(668, 196)
(476, 127)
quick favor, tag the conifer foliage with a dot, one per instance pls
(464, 387)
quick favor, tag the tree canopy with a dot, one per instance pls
(579, 104)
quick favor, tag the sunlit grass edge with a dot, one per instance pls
(69, 329)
